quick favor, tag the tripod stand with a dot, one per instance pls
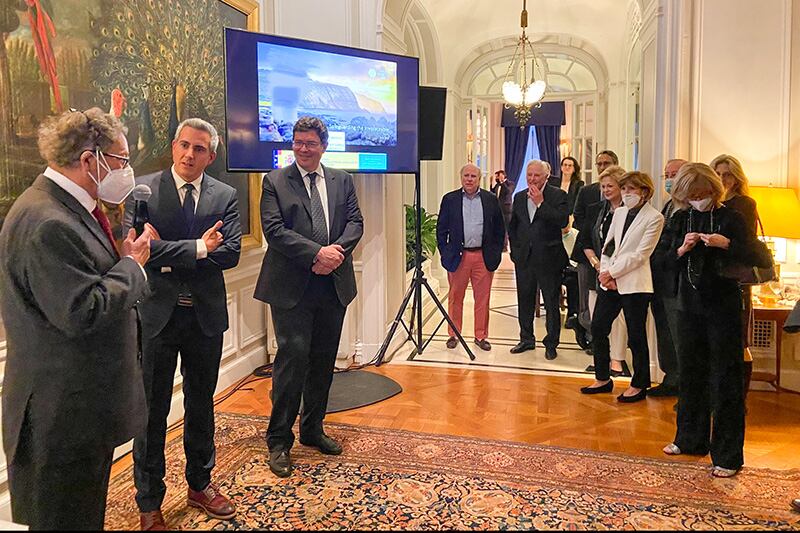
(415, 290)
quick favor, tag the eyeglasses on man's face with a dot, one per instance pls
(311, 145)
(125, 160)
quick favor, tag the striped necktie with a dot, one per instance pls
(319, 228)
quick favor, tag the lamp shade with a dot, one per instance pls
(779, 210)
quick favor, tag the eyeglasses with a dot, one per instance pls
(311, 145)
(125, 160)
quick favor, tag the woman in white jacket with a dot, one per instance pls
(627, 285)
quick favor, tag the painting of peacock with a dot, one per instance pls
(164, 60)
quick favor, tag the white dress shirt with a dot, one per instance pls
(322, 189)
(202, 250)
(80, 194)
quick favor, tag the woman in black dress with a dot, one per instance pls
(737, 198)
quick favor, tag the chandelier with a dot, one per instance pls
(523, 96)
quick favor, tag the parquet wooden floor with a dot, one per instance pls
(543, 409)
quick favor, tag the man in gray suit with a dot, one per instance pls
(311, 219)
(72, 389)
(200, 235)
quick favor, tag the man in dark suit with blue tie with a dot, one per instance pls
(537, 216)
(312, 223)
(200, 234)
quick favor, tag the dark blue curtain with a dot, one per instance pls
(516, 141)
(548, 138)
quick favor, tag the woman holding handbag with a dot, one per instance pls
(701, 239)
(736, 186)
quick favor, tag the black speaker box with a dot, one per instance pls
(431, 122)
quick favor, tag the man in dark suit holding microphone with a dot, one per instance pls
(200, 234)
(72, 389)
(312, 223)
(538, 253)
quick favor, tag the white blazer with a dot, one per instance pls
(629, 263)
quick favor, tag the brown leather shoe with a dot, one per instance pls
(795, 504)
(212, 502)
(152, 521)
(483, 344)
(451, 343)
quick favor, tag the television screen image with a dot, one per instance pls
(367, 99)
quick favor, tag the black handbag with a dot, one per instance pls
(753, 274)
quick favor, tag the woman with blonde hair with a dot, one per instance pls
(626, 284)
(700, 238)
(737, 191)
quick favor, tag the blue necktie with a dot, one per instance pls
(319, 228)
(188, 205)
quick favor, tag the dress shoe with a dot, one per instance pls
(523, 346)
(451, 343)
(639, 396)
(589, 350)
(212, 502)
(152, 521)
(571, 322)
(625, 372)
(663, 391)
(795, 504)
(324, 444)
(581, 339)
(280, 463)
(608, 387)
(550, 353)
(483, 344)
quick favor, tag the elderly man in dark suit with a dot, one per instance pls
(538, 253)
(72, 389)
(311, 219)
(200, 234)
(470, 232)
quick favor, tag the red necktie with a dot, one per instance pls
(106, 225)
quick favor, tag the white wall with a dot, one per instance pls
(742, 79)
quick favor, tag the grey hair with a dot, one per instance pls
(202, 125)
(461, 172)
(63, 138)
(532, 162)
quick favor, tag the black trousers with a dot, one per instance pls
(569, 279)
(528, 282)
(49, 492)
(200, 358)
(308, 339)
(607, 308)
(711, 401)
(587, 277)
(663, 313)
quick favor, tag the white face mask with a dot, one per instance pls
(117, 184)
(631, 200)
(701, 205)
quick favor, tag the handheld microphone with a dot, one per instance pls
(141, 194)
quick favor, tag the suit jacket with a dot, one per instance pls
(629, 264)
(286, 221)
(588, 203)
(173, 266)
(68, 306)
(450, 230)
(539, 243)
(504, 192)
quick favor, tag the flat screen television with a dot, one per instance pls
(367, 99)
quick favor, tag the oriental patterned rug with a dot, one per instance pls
(391, 479)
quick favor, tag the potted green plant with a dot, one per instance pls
(428, 232)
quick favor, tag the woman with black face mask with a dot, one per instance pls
(701, 238)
